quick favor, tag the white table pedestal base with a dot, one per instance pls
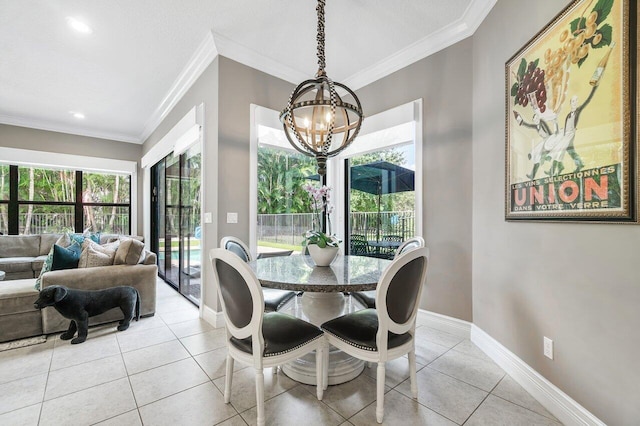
(318, 308)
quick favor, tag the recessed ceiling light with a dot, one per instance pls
(78, 115)
(78, 25)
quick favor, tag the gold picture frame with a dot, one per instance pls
(571, 109)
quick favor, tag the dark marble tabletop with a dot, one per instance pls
(299, 273)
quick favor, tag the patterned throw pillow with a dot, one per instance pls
(89, 257)
(63, 241)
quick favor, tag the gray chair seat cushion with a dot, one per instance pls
(16, 264)
(274, 298)
(367, 298)
(282, 333)
(359, 329)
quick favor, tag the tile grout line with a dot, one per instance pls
(484, 399)
(44, 392)
(126, 370)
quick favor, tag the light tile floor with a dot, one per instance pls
(169, 370)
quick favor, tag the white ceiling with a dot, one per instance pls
(144, 54)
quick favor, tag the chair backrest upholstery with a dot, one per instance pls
(410, 244)
(398, 294)
(240, 295)
(358, 244)
(237, 246)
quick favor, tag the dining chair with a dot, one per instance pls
(368, 298)
(358, 244)
(254, 337)
(387, 332)
(273, 298)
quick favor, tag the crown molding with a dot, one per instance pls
(447, 36)
(253, 59)
(65, 128)
(201, 59)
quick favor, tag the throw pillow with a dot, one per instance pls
(66, 258)
(63, 241)
(129, 252)
(107, 249)
(92, 258)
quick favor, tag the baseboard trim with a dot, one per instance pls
(561, 405)
(215, 319)
(445, 323)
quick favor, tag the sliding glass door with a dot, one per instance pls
(175, 222)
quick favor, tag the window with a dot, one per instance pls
(36, 200)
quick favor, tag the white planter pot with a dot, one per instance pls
(322, 256)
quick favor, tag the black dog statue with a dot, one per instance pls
(79, 305)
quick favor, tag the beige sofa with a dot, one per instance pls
(22, 256)
(19, 318)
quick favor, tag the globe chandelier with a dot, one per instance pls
(318, 122)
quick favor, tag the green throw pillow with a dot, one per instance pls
(46, 267)
(66, 258)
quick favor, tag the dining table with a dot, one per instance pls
(323, 295)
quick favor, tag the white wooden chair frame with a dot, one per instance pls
(238, 241)
(254, 330)
(385, 325)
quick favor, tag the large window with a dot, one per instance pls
(36, 200)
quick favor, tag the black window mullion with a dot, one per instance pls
(14, 210)
(79, 211)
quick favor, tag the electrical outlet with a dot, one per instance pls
(548, 348)
(232, 217)
(208, 218)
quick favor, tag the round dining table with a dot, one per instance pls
(324, 296)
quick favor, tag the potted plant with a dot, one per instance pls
(323, 248)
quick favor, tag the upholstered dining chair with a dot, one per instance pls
(387, 332)
(368, 298)
(273, 298)
(254, 337)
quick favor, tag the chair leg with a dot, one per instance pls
(325, 367)
(228, 378)
(260, 395)
(274, 370)
(320, 371)
(412, 373)
(380, 392)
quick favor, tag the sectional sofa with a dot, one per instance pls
(21, 257)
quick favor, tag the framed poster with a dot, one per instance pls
(571, 138)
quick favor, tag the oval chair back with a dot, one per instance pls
(241, 297)
(237, 246)
(410, 244)
(398, 295)
(255, 338)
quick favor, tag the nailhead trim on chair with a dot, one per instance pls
(292, 349)
(366, 348)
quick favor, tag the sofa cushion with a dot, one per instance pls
(66, 257)
(37, 263)
(129, 252)
(16, 264)
(20, 246)
(17, 296)
(46, 241)
(18, 317)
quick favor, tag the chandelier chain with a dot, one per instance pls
(320, 36)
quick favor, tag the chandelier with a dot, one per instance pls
(317, 121)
